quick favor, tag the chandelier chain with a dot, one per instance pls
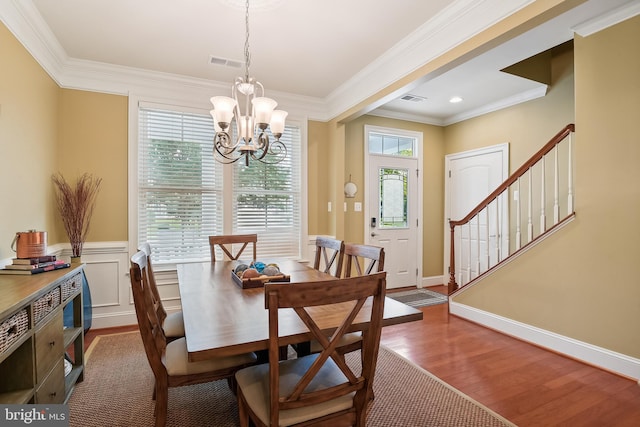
(247, 56)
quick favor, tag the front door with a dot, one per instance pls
(392, 215)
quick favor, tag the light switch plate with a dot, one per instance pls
(357, 206)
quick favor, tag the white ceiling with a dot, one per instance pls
(317, 50)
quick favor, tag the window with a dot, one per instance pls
(391, 145)
(183, 191)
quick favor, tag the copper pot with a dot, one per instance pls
(30, 244)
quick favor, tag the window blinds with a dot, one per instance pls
(266, 201)
(181, 193)
(179, 185)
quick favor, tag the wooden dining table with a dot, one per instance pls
(221, 318)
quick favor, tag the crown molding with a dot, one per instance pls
(608, 19)
(410, 117)
(23, 19)
(457, 23)
(529, 95)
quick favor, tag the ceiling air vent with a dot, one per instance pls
(413, 98)
(215, 60)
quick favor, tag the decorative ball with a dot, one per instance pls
(271, 270)
(239, 269)
(258, 266)
(250, 273)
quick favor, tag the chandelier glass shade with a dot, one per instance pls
(253, 114)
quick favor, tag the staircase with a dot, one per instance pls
(535, 200)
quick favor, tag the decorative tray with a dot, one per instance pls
(258, 282)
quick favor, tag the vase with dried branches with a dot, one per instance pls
(75, 204)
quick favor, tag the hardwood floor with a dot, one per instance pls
(526, 384)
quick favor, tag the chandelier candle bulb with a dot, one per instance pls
(277, 122)
(263, 107)
(223, 107)
(246, 128)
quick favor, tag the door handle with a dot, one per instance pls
(373, 234)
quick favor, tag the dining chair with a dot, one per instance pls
(172, 323)
(329, 255)
(318, 389)
(363, 259)
(226, 243)
(169, 360)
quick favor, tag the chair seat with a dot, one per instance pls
(345, 340)
(254, 382)
(176, 360)
(173, 325)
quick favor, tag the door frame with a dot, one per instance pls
(419, 183)
(498, 148)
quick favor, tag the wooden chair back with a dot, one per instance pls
(302, 297)
(363, 259)
(150, 327)
(329, 256)
(155, 295)
(226, 243)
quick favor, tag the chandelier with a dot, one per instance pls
(253, 114)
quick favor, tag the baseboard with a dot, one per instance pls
(593, 355)
(111, 320)
(432, 281)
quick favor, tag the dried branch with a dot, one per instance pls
(76, 207)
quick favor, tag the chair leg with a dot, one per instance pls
(233, 384)
(242, 410)
(162, 402)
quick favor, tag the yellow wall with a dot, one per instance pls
(28, 127)
(582, 282)
(93, 138)
(318, 191)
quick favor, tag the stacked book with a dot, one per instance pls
(34, 265)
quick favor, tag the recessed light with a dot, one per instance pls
(455, 100)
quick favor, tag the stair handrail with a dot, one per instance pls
(559, 137)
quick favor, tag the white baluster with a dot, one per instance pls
(556, 187)
(518, 217)
(478, 258)
(570, 176)
(530, 208)
(543, 218)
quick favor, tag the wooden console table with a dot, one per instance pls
(33, 339)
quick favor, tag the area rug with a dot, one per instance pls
(118, 382)
(418, 297)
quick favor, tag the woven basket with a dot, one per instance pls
(46, 304)
(13, 328)
(71, 286)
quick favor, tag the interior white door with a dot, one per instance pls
(471, 177)
(393, 216)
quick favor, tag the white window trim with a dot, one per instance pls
(135, 101)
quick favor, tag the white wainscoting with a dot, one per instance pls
(107, 270)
